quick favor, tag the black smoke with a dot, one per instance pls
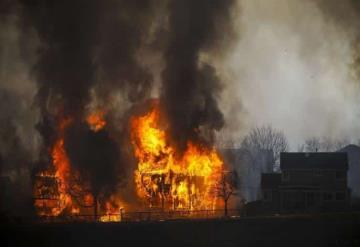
(96, 156)
(190, 87)
(124, 26)
(87, 46)
(64, 69)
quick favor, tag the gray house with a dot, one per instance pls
(308, 182)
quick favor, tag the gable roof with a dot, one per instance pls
(351, 148)
(318, 160)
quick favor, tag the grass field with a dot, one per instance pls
(290, 231)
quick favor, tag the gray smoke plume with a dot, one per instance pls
(15, 157)
(190, 87)
(346, 15)
(18, 138)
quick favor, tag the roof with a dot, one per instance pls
(350, 148)
(318, 160)
(270, 180)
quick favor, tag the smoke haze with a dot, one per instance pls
(293, 68)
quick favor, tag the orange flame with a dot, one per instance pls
(52, 187)
(112, 210)
(161, 178)
(54, 182)
(96, 120)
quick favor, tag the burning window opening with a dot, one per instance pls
(96, 120)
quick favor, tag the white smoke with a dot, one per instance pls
(291, 68)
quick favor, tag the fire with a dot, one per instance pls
(113, 210)
(61, 163)
(58, 190)
(53, 184)
(96, 120)
(164, 179)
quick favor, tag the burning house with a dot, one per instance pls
(168, 181)
(60, 189)
(164, 180)
(115, 128)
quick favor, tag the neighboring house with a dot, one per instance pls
(353, 152)
(249, 167)
(308, 182)
(270, 183)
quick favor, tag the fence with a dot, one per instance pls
(144, 216)
(176, 214)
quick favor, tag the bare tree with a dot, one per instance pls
(226, 187)
(325, 144)
(301, 148)
(313, 144)
(340, 143)
(265, 138)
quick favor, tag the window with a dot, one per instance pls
(327, 196)
(267, 195)
(317, 172)
(340, 175)
(340, 196)
(310, 199)
(286, 176)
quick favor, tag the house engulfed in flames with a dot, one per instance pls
(59, 191)
(163, 179)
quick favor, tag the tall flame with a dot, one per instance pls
(53, 187)
(164, 179)
(56, 199)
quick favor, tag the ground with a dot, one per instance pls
(342, 229)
